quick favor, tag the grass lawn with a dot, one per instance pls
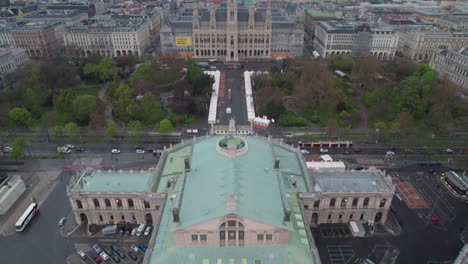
(93, 90)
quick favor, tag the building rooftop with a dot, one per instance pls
(111, 181)
(246, 184)
(320, 14)
(353, 181)
(337, 26)
(234, 183)
(431, 11)
(464, 51)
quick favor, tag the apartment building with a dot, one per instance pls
(419, 43)
(108, 36)
(11, 59)
(344, 37)
(452, 64)
(38, 38)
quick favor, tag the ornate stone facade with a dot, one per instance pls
(233, 32)
(354, 202)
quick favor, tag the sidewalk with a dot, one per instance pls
(42, 186)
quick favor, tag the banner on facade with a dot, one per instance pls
(183, 41)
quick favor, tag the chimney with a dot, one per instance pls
(187, 165)
(277, 161)
(175, 215)
(287, 216)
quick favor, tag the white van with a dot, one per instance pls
(147, 230)
(140, 229)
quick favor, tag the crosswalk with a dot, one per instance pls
(87, 162)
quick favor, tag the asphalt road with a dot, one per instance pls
(235, 82)
(41, 242)
(51, 148)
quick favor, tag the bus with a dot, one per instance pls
(325, 144)
(204, 65)
(26, 217)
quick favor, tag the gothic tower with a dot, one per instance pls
(232, 31)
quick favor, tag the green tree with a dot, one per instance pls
(135, 128)
(17, 148)
(82, 106)
(71, 129)
(106, 70)
(20, 116)
(202, 86)
(165, 126)
(35, 100)
(343, 63)
(151, 109)
(143, 71)
(64, 101)
(111, 130)
(193, 71)
(57, 131)
(124, 102)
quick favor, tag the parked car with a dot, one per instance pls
(147, 230)
(322, 150)
(304, 151)
(115, 151)
(358, 150)
(115, 258)
(140, 151)
(108, 250)
(81, 254)
(133, 231)
(132, 255)
(450, 151)
(127, 233)
(104, 256)
(117, 250)
(79, 149)
(62, 221)
(96, 249)
(7, 149)
(135, 248)
(97, 259)
(389, 153)
(70, 146)
(142, 247)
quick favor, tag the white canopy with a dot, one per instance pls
(214, 96)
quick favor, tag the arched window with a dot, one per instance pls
(383, 202)
(79, 204)
(96, 203)
(131, 205)
(366, 202)
(332, 202)
(355, 201)
(118, 202)
(107, 203)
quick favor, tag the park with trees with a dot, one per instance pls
(394, 96)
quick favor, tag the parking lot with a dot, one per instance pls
(117, 246)
(123, 257)
(419, 241)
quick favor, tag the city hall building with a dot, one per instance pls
(232, 32)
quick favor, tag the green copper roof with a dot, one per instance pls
(206, 191)
(103, 181)
(246, 185)
(320, 14)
